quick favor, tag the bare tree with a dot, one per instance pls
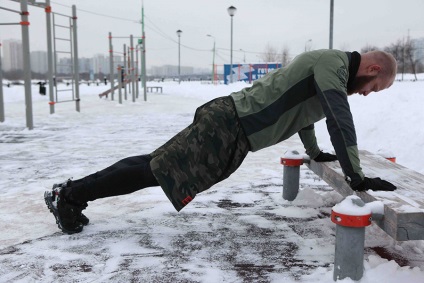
(285, 56)
(270, 54)
(404, 55)
(409, 55)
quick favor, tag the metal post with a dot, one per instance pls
(213, 63)
(124, 78)
(331, 22)
(349, 254)
(48, 10)
(120, 83)
(291, 175)
(179, 59)
(231, 11)
(132, 67)
(1, 91)
(128, 68)
(143, 37)
(291, 182)
(179, 55)
(231, 59)
(136, 72)
(213, 59)
(111, 77)
(350, 241)
(27, 64)
(76, 65)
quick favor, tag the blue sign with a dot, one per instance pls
(248, 72)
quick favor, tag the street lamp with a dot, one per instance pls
(213, 58)
(179, 32)
(331, 23)
(231, 11)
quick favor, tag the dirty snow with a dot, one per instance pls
(241, 230)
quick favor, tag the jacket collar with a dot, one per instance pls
(354, 61)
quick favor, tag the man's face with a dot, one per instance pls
(363, 85)
(366, 84)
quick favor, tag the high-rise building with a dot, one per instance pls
(12, 55)
(39, 62)
(171, 71)
(101, 64)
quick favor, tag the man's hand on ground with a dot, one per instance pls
(375, 184)
(325, 157)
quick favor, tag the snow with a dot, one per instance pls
(241, 230)
(354, 206)
(292, 154)
(349, 207)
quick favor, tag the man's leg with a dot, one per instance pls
(66, 201)
(124, 177)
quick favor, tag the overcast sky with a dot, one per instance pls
(295, 24)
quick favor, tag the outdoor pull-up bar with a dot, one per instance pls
(1, 92)
(26, 58)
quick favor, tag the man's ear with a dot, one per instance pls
(374, 69)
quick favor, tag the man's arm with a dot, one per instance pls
(308, 138)
(331, 78)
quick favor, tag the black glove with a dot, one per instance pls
(375, 184)
(324, 157)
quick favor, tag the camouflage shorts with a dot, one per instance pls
(203, 154)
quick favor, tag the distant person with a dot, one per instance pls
(315, 85)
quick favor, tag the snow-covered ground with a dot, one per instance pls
(241, 230)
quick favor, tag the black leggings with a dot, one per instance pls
(124, 177)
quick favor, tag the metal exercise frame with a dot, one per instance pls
(130, 67)
(26, 60)
(26, 57)
(73, 53)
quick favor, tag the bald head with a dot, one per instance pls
(381, 62)
(377, 71)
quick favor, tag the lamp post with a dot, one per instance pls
(179, 32)
(231, 11)
(331, 23)
(213, 58)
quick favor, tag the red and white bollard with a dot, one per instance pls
(387, 154)
(291, 175)
(351, 217)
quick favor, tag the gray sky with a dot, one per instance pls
(290, 23)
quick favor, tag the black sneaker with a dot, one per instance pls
(81, 217)
(65, 213)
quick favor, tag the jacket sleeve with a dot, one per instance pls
(331, 76)
(307, 136)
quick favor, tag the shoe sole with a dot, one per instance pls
(53, 210)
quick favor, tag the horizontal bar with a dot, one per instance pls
(33, 3)
(60, 90)
(67, 101)
(9, 24)
(126, 37)
(66, 52)
(65, 39)
(61, 26)
(59, 14)
(10, 10)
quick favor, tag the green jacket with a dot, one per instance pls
(291, 99)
